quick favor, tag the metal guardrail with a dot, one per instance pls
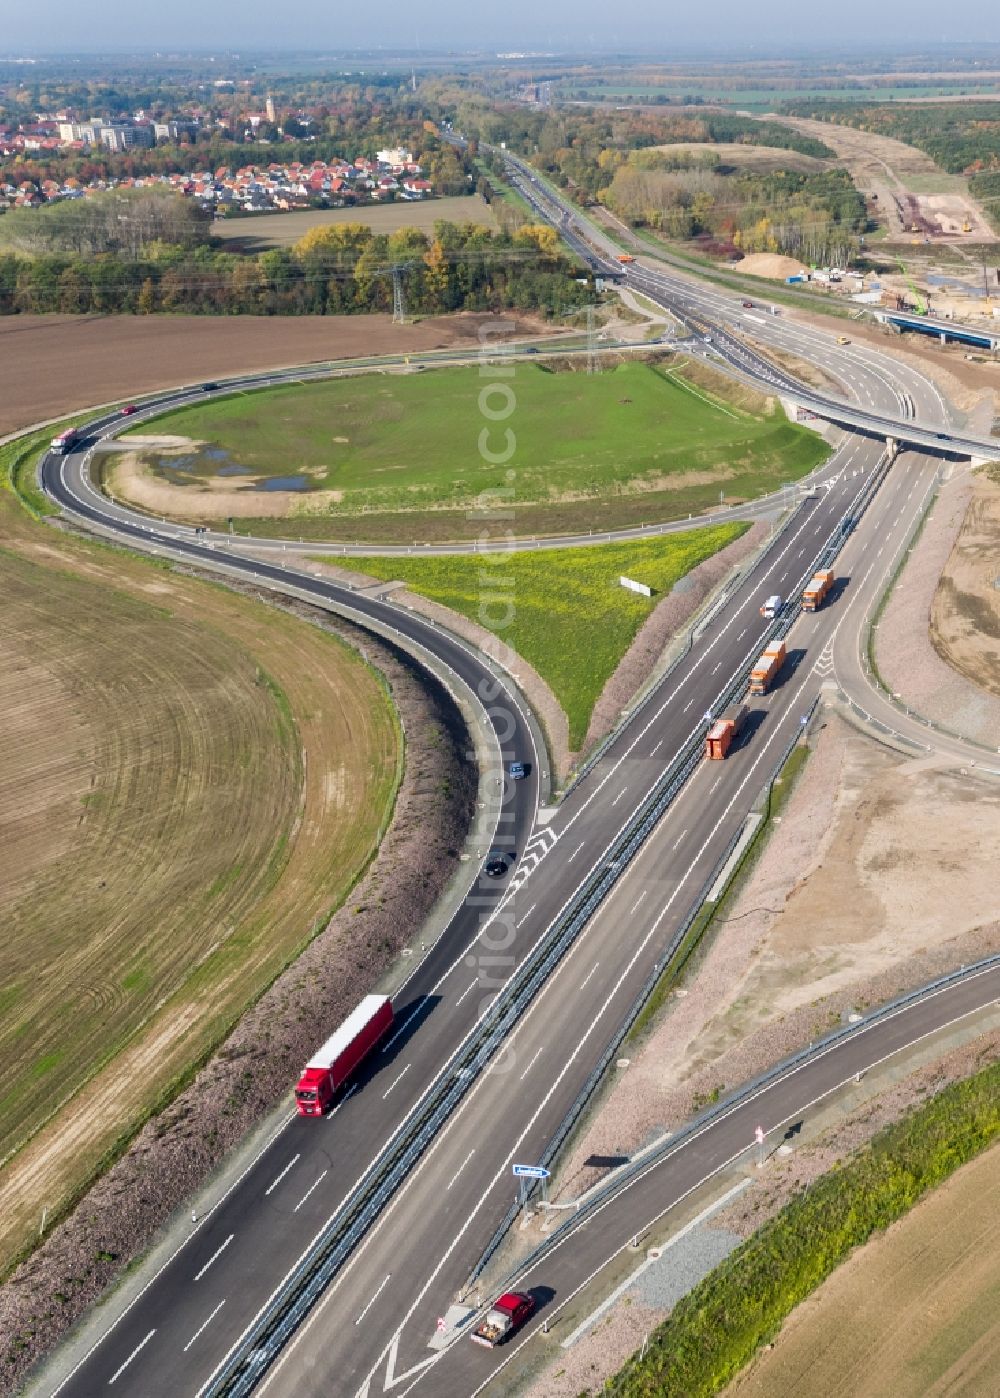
(271, 1329)
(827, 554)
(663, 964)
(624, 1176)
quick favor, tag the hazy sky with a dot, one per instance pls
(638, 26)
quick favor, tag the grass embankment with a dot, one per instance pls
(399, 456)
(191, 783)
(562, 609)
(718, 1328)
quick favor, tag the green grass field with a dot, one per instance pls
(280, 230)
(562, 609)
(630, 441)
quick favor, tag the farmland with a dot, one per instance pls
(562, 609)
(912, 1313)
(400, 455)
(190, 784)
(261, 231)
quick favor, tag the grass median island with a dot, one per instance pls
(562, 609)
(402, 455)
(191, 783)
(718, 1327)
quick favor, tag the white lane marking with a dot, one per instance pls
(278, 1178)
(679, 838)
(576, 851)
(217, 1253)
(460, 1169)
(420, 1005)
(714, 785)
(717, 667)
(746, 628)
(638, 901)
(203, 1326)
(396, 1081)
(589, 974)
(141, 1345)
(527, 915)
(465, 992)
(305, 1196)
(619, 796)
(371, 1303)
(687, 706)
(657, 748)
(534, 1059)
(346, 1098)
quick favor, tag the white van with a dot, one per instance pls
(771, 607)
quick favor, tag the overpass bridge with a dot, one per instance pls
(943, 330)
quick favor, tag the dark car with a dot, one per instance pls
(517, 771)
(747, 305)
(209, 387)
(129, 409)
(498, 861)
(530, 349)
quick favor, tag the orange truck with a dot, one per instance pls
(815, 592)
(767, 667)
(625, 257)
(719, 737)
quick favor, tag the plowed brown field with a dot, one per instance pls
(189, 783)
(56, 365)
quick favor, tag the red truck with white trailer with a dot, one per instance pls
(767, 667)
(504, 1317)
(66, 441)
(815, 593)
(330, 1067)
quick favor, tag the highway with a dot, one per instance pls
(378, 1315)
(445, 996)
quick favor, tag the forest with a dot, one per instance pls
(337, 269)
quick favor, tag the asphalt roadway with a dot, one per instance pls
(175, 1334)
(383, 1305)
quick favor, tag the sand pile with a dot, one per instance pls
(771, 264)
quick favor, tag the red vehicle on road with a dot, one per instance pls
(330, 1067)
(504, 1317)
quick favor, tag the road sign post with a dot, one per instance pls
(759, 1137)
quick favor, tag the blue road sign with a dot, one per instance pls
(532, 1172)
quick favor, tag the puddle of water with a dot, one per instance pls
(283, 483)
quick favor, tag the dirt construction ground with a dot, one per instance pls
(965, 618)
(56, 365)
(913, 1314)
(910, 186)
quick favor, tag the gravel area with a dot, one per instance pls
(907, 661)
(683, 1265)
(260, 1060)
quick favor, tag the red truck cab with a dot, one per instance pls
(506, 1315)
(330, 1067)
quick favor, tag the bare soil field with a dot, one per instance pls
(855, 896)
(280, 230)
(189, 784)
(965, 616)
(56, 365)
(914, 194)
(913, 1313)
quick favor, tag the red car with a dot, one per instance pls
(504, 1317)
(129, 409)
(747, 305)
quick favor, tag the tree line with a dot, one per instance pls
(334, 270)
